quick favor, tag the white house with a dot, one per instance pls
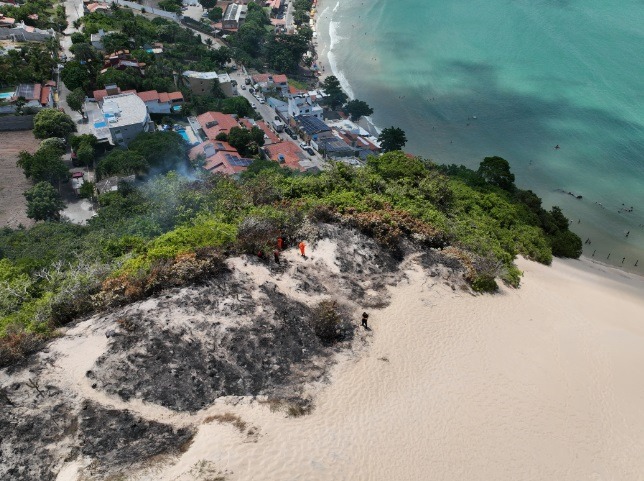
(304, 106)
(122, 117)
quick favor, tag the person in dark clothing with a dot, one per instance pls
(276, 254)
(365, 318)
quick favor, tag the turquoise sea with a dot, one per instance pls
(515, 78)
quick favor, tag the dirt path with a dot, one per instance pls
(13, 206)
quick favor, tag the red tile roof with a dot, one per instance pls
(99, 95)
(37, 92)
(175, 96)
(213, 123)
(204, 149)
(290, 152)
(260, 78)
(149, 95)
(220, 163)
(44, 95)
(280, 79)
(271, 135)
(246, 123)
(292, 90)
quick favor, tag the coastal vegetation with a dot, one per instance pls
(169, 228)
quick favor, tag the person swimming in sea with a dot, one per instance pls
(557, 147)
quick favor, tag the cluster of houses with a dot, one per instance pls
(33, 96)
(121, 115)
(20, 32)
(219, 156)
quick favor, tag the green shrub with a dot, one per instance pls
(484, 283)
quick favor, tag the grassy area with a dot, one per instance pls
(172, 230)
(298, 84)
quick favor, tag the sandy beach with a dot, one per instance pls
(537, 383)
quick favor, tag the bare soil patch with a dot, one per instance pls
(13, 205)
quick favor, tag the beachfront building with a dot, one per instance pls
(201, 83)
(331, 145)
(304, 106)
(266, 82)
(234, 16)
(310, 127)
(121, 118)
(362, 145)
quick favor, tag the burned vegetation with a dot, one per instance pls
(254, 328)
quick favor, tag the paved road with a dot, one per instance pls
(74, 10)
(268, 114)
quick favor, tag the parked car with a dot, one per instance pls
(303, 145)
(254, 105)
(310, 151)
(243, 87)
(251, 90)
(247, 81)
(262, 101)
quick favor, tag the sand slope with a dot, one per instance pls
(543, 382)
(539, 383)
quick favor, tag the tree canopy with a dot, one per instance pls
(335, 95)
(392, 138)
(247, 142)
(496, 171)
(75, 75)
(76, 100)
(45, 164)
(121, 162)
(44, 202)
(357, 108)
(53, 123)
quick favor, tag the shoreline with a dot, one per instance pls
(602, 228)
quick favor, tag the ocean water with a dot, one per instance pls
(515, 78)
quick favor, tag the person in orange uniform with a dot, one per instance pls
(302, 248)
(280, 243)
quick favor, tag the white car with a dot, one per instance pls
(262, 101)
(253, 105)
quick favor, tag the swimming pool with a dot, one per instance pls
(184, 134)
(6, 95)
(98, 125)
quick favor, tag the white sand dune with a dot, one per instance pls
(538, 383)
